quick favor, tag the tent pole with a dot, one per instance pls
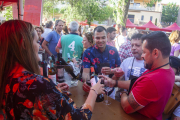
(18, 9)
(21, 11)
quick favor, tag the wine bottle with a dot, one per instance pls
(60, 69)
(94, 80)
(66, 66)
(52, 71)
(43, 66)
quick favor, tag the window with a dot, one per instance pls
(142, 17)
(136, 4)
(151, 17)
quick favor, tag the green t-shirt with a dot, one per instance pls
(71, 43)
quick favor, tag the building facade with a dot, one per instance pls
(140, 14)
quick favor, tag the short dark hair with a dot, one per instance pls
(174, 62)
(110, 29)
(49, 24)
(57, 21)
(158, 40)
(137, 36)
(100, 29)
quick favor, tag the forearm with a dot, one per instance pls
(85, 74)
(91, 99)
(46, 49)
(124, 103)
(124, 84)
(177, 78)
(176, 53)
(57, 49)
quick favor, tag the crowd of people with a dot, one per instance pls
(144, 68)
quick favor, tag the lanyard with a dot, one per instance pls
(132, 66)
(155, 69)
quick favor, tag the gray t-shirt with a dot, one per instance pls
(137, 68)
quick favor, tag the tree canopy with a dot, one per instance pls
(89, 10)
(169, 13)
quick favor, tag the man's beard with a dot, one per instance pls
(148, 66)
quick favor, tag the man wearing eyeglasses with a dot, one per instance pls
(103, 57)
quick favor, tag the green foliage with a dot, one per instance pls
(120, 13)
(169, 13)
(89, 10)
(8, 13)
(151, 3)
(49, 8)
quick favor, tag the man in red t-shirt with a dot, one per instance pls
(151, 91)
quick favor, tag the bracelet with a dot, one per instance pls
(116, 83)
(95, 91)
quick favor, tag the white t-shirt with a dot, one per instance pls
(137, 69)
(120, 40)
(46, 32)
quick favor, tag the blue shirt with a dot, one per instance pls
(109, 55)
(52, 38)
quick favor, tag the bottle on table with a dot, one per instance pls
(94, 80)
(52, 70)
(60, 69)
(43, 66)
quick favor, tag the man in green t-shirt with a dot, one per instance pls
(71, 43)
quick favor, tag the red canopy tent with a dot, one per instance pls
(129, 24)
(171, 28)
(149, 26)
(7, 2)
(83, 23)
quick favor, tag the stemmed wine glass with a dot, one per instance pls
(107, 102)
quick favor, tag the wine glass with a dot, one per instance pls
(107, 89)
(107, 102)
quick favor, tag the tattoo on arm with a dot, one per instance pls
(132, 101)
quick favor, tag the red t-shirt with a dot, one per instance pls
(153, 91)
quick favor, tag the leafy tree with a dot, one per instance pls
(151, 3)
(120, 13)
(169, 13)
(49, 8)
(8, 13)
(89, 10)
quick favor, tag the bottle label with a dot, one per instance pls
(60, 72)
(53, 78)
(93, 81)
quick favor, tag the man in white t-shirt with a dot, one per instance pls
(121, 38)
(48, 29)
(133, 66)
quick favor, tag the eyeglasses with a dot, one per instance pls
(38, 31)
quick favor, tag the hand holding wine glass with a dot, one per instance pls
(108, 81)
(106, 70)
(118, 72)
(63, 86)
